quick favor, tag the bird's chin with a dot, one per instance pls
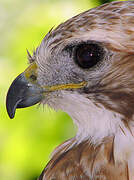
(65, 100)
(54, 99)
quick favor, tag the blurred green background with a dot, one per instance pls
(27, 141)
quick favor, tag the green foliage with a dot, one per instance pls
(27, 141)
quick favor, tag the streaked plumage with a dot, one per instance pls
(100, 99)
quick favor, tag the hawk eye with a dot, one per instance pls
(88, 55)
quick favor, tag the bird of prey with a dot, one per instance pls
(85, 67)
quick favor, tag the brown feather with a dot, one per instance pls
(86, 162)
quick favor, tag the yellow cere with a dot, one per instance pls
(31, 70)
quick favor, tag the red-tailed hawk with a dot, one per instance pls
(85, 67)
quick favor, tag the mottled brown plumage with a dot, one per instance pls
(85, 67)
(86, 162)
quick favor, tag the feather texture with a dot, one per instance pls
(103, 148)
(86, 162)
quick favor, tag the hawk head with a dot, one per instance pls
(85, 67)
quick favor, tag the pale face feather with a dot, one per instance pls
(94, 122)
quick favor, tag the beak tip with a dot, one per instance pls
(11, 115)
(10, 110)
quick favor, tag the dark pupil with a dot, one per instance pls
(87, 55)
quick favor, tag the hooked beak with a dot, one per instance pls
(25, 90)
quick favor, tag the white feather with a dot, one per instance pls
(94, 123)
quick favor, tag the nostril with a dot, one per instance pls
(33, 77)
